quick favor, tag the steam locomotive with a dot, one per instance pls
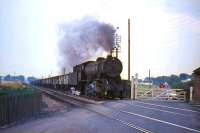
(98, 79)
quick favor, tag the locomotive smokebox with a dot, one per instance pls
(112, 67)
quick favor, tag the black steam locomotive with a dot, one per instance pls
(98, 79)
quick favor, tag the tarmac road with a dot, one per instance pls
(119, 116)
(159, 116)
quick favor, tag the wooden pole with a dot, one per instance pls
(129, 49)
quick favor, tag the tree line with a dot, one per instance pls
(20, 78)
(182, 80)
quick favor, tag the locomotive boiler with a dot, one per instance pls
(110, 67)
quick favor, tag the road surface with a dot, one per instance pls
(124, 116)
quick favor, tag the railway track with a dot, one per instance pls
(91, 105)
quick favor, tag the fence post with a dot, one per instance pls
(1, 110)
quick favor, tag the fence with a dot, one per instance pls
(162, 94)
(18, 107)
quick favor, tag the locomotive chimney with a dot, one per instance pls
(129, 49)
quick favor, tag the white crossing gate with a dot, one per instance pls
(162, 94)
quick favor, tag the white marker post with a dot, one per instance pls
(133, 89)
(191, 92)
(132, 84)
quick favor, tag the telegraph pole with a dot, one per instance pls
(129, 49)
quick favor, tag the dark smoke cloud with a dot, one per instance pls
(84, 39)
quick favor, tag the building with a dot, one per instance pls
(196, 92)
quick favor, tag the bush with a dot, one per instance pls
(7, 91)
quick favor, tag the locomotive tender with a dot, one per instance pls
(98, 79)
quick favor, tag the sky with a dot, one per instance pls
(165, 34)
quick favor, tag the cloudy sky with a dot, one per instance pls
(165, 34)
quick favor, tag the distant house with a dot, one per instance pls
(145, 82)
(186, 80)
(196, 94)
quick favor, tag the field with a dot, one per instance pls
(12, 85)
(14, 88)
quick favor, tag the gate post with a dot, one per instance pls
(133, 89)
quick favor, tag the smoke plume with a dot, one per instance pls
(83, 40)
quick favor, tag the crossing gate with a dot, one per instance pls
(162, 94)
